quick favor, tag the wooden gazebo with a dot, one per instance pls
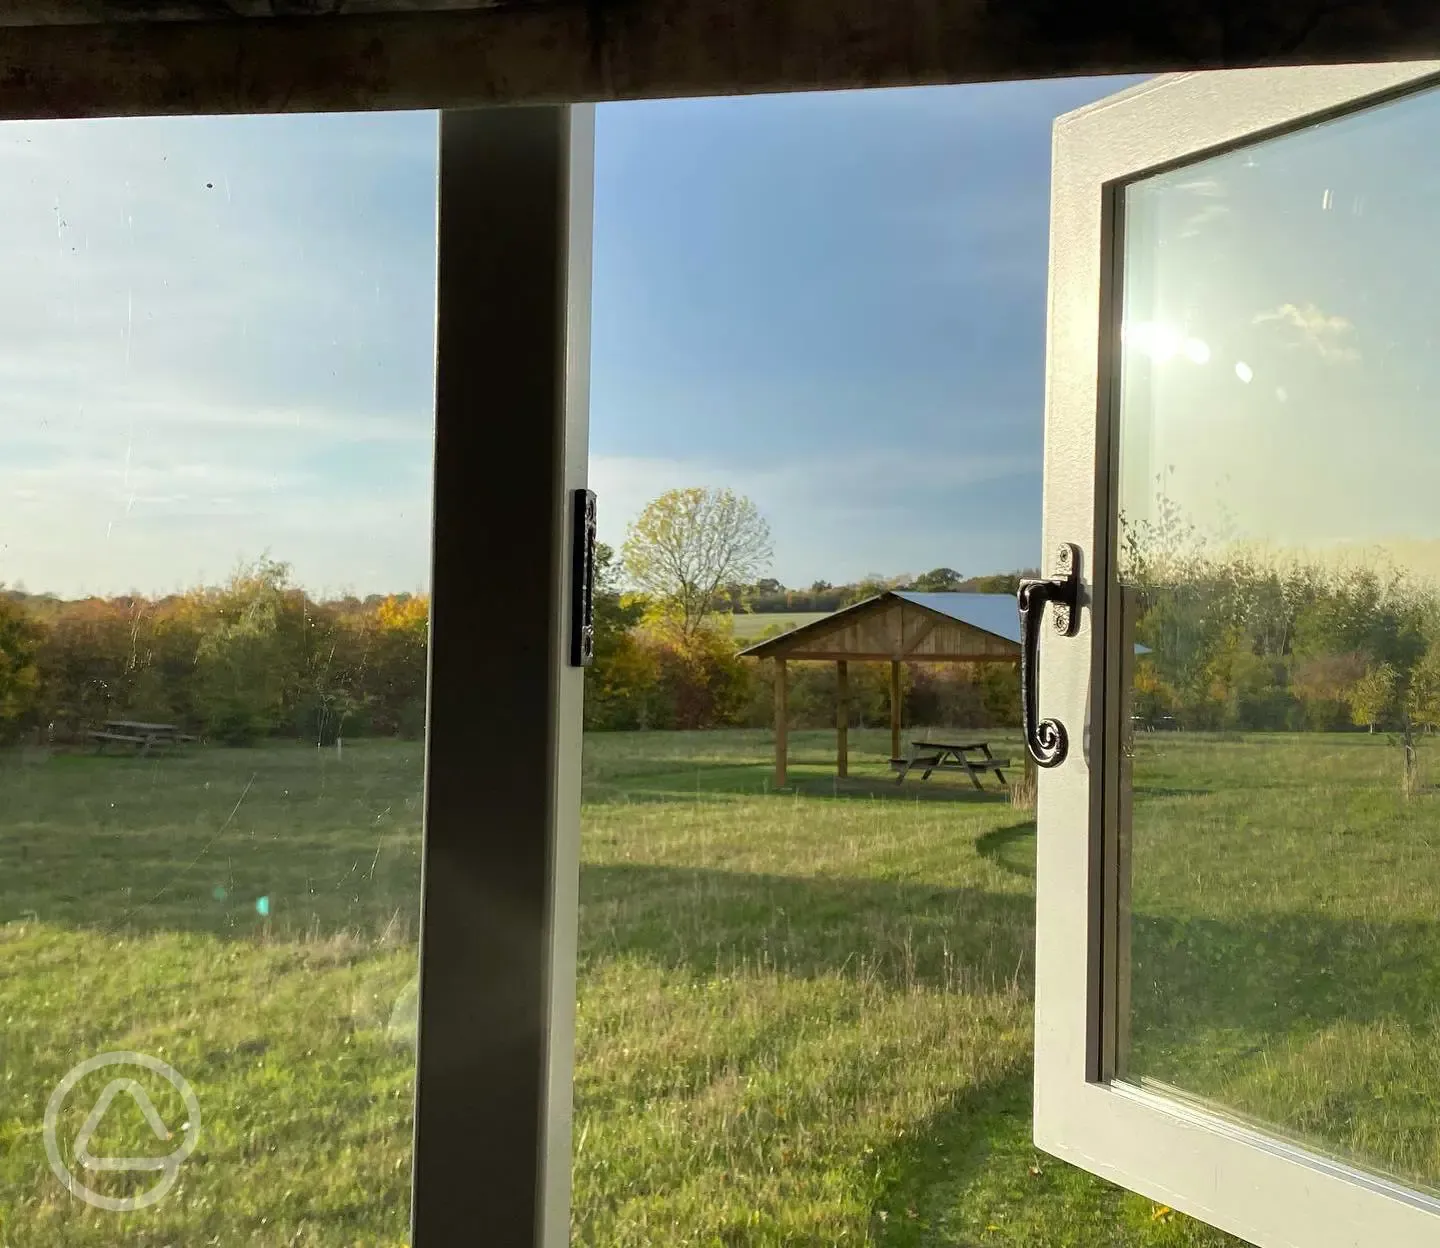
(895, 627)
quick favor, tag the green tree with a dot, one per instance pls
(1423, 697)
(870, 586)
(1000, 695)
(622, 683)
(938, 581)
(997, 582)
(241, 674)
(1373, 696)
(1322, 683)
(19, 676)
(686, 544)
(390, 676)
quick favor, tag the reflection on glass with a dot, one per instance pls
(215, 397)
(1280, 561)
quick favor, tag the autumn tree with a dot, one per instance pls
(1423, 697)
(688, 543)
(396, 664)
(1372, 697)
(19, 643)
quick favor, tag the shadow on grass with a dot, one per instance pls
(667, 782)
(271, 842)
(972, 1175)
(901, 934)
(885, 789)
(286, 841)
(1193, 978)
(1279, 973)
(1011, 848)
(1144, 790)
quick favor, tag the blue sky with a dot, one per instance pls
(1280, 361)
(835, 304)
(217, 334)
(216, 339)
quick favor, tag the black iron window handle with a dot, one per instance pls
(1046, 739)
(582, 579)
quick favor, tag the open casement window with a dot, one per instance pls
(1238, 954)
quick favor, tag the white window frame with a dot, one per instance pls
(1265, 1189)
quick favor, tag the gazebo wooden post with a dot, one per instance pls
(782, 724)
(894, 708)
(889, 628)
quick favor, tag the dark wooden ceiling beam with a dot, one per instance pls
(99, 12)
(544, 51)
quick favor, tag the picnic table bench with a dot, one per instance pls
(137, 733)
(972, 757)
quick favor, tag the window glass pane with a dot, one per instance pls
(1280, 568)
(216, 370)
(807, 902)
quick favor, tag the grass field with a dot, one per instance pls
(804, 1017)
(752, 627)
(1286, 949)
(249, 917)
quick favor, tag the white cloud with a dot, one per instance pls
(1327, 335)
(214, 341)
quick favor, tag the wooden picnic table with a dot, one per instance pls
(137, 733)
(974, 758)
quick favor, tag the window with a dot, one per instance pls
(229, 408)
(219, 343)
(1236, 886)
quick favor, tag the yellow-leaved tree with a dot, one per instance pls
(688, 543)
(19, 641)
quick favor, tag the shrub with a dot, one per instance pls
(19, 675)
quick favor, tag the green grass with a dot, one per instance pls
(1285, 945)
(804, 1017)
(750, 627)
(131, 899)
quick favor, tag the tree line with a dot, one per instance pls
(1243, 640)
(258, 657)
(767, 596)
(666, 652)
(657, 668)
(251, 658)
(704, 552)
(1233, 641)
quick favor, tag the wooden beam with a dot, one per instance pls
(842, 718)
(895, 708)
(925, 630)
(782, 725)
(91, 12)
(884, 656)
(548, 51)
